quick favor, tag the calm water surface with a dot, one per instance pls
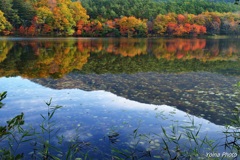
(119, 85)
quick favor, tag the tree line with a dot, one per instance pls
(132, 18)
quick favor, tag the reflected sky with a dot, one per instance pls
(95, 111)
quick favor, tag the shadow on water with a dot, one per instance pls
(203, 94)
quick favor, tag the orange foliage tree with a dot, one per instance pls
(179, 25)
(79, 27)
(181, 19)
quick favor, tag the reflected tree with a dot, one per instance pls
(34, 59)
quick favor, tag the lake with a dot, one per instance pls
(121, 97)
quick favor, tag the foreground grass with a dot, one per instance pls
(181, 142)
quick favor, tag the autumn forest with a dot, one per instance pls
(115, 18)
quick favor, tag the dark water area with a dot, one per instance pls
(211, 96)
(108, 85)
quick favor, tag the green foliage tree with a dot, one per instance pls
(10, 14)
(25, 11)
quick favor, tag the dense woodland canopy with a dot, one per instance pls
(149, 9)
(118, 17)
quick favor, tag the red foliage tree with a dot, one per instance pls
(187, 27)
(46, 29)
(203, 30)
(21, 30)
(31, 30)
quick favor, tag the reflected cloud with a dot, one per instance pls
(96, 114)
(74, 101)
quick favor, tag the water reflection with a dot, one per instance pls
(72, 63)
(194, 75)
(35, 58)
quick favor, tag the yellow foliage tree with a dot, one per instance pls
(63, 20)
(4, 24)
(130, 26)
(44, 15)
(60, 15)
(78, 12)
